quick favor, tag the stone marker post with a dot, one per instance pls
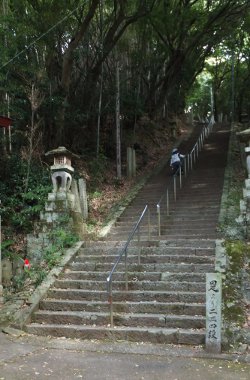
(131, 163)
(220, 117)
(83, 197)
(213, 312)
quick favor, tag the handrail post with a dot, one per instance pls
(180, 174)
(174, 187)
(139, 249)
(194, 151)
(159, 218)
(149, 225)
(110, 300)
(126, 271)
(200, 142)
(185, 166)
(139, 255)
(167, 202)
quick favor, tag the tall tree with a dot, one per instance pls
(187, 32)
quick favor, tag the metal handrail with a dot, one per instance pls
(124, 253)
(189, 161)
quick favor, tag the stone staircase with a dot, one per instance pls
(165, 301)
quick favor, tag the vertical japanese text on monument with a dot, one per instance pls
(213, 320)
(212, 311)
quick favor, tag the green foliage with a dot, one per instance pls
(19, 208)
(60, 239)
(19, 281)
(33, 276)
(52, 257)
(199, 97)
(238, 253)
(96, 194)
(6, 249)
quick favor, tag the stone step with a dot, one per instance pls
(136, 295)
(181, 308)
(166, 235)
(187, 243)
(202, 202)
(140, 276)
(176, 236)
(172, 218)
(120, 319)
(135, 284)
(185, 193)
(135, 268)
(184, 211)
(180, 223)
(176, 229)
(107, 252)
(135, 334)
(147, 258)
(182, 242)
(116, 244)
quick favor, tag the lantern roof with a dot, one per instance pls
(61, 151)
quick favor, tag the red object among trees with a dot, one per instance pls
(5, 121)
(26, 264)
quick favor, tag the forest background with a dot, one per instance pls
(97, 76)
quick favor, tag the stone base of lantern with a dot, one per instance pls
(58, 213)
(61, 200)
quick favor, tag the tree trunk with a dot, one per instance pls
(118, 124)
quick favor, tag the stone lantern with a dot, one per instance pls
(61, 175)
(61, 170)
(62, 208)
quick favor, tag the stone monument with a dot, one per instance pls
(63, 207)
